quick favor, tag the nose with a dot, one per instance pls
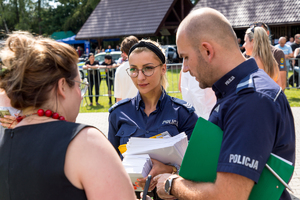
(141, 75)
(185, 66)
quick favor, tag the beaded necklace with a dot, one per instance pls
(41, 112)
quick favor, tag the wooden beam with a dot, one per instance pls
(170, 27)
(175, 13)
(182, 9)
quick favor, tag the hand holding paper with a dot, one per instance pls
(157, 168)
(162, 151)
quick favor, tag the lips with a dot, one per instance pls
(142, 85)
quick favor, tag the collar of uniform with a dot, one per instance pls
(228, 83)
(139, 102)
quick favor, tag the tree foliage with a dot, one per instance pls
(44, 16)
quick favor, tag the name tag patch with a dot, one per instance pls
(171, 121)
(243, 160)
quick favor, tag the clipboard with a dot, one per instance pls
(201, 160)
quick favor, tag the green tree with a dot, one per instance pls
(80, 14)
(37, 16)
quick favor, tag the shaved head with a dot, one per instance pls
(282, 41)
(209, 25)
(208, 45)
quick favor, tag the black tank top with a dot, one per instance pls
(32, 162)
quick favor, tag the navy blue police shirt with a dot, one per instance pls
(256, 120)
(128, 119)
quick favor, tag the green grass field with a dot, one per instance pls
(293, 95)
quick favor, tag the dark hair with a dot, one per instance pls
(34, 67)
(107, 56)
(91, 54)
(127, 43)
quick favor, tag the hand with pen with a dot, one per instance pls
(157, 168)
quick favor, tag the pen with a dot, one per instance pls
(146, 187)
(279, 178)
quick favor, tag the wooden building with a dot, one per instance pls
(141, 18)
(160, 18)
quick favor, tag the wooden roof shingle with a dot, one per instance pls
(241, 13)
(115, 18)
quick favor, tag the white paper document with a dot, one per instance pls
(166, 149)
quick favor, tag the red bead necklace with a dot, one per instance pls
(41, 112)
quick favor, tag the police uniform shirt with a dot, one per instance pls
(256, 120)
(128, 119)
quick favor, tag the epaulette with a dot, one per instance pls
(183, 103)
(246, 83)
(123, 101)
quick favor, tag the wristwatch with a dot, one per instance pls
(168, 184)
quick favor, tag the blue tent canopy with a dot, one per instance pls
(71, 40)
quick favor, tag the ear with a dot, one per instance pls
(61, 87)
(207, 51)
(164, 69)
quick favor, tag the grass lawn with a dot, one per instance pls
(293, 95)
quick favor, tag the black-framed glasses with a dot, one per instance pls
(258, 24)
(147, 71)
(83, 86)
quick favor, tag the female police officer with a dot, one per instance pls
(152, 111)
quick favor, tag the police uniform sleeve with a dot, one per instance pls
(248, 136)
(112, 131)
(113, 121)
(187, 117)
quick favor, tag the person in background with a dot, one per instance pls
(290, 42)
(53, 157)
(203, 100)
(108, 50)
(110, 69)
(251, 110)
(124, 87)
(117, 48)
(257, 45)
(152, 111)
(79, 51)
(287, 50)
(240, 45)
(277, 53)
(123, 58)
(296, 43)
(94, 77)
(295, 77)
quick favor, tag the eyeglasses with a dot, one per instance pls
(147, 71)
(258, 24)
(83, 86)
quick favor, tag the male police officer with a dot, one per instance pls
(251, 109)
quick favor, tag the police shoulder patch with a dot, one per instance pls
(183, 103)
(123, 101)
(246, 83)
